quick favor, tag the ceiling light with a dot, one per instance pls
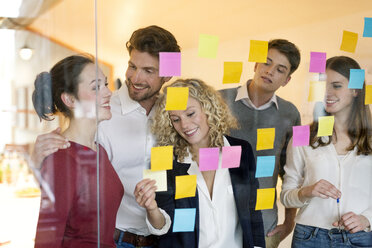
(25, 53)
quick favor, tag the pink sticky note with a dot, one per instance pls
(169, 64)
(208, 158)
(317, 62)
(301, 135)
(231, 156)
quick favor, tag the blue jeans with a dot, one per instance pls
(315, 237)
(122, 244)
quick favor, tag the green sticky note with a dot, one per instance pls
(208, 46)
(185, 186)
(317, 91)
(325, 127)
(368, 97)
(265, 138)
(349, 41)
(265, 199)
(161, 158)
(232, 72)
(159, 176)
(177, 98)
(258, 51)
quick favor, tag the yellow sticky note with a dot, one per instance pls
(159, 176)
(317, 91)
(208, 46)
(185, 186)
(258, 51)
(265, 138)
(232, 72)
(368, 97)
(161, 158)
(349, 41)
(265, 198)
(325, 127)
(177, 98)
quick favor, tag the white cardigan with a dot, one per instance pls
(351, 174)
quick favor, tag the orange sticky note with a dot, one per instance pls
(349, 41)
(317, 91)
(208, 46)
(368, 97)
(232, 71)
(325, 127)
(258, 51)
(265, 198)
(265, 138)
(159, 176)
(177, 98)
(161, 158)
(185, 186)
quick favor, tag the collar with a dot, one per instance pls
(128, 104)
(243, 95)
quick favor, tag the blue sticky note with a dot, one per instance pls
(356, 79)
(184, 219)
(367, 32)
(265, 166)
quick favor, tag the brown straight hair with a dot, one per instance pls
(359, 121)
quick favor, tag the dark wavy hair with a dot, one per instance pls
(62, 78)
(152, 39)
(289, 50)
(359, 121)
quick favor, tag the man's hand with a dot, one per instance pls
(47, 144)
(352, 222)
(284, 230)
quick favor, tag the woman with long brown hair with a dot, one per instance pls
(330, 180)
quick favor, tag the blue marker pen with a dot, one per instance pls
(339, 214)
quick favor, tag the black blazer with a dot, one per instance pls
(244, 186)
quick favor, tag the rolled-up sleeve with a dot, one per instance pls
(164, 229)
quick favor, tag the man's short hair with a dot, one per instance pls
(152, 39)
(289, 50)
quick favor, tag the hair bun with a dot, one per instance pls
(42, 97)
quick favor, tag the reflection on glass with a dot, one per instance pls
(69, 213)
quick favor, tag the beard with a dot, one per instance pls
(148, 93)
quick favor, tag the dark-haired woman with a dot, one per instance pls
(330, 180)
(69, 213)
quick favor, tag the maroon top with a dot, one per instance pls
(71, 221)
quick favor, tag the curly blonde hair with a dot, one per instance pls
(219, 118)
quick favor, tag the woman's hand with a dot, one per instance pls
(145, 194)
(322, 189)
(352, 222)
(145, 197)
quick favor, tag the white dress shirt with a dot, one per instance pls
(242, 94)
(351, 174)
(219, 223)
(128, 141)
